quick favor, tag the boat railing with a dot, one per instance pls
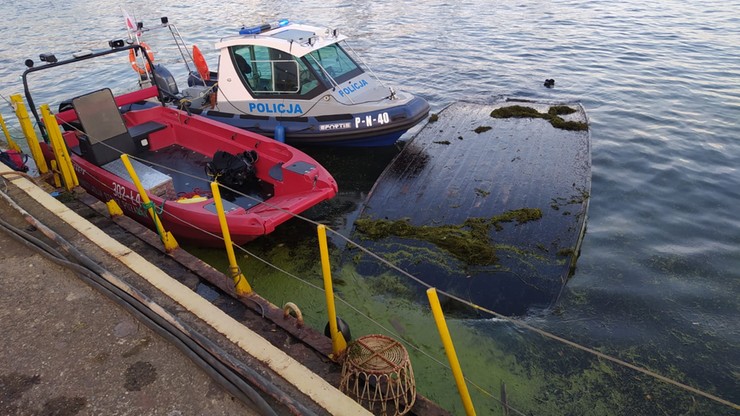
(182, 46)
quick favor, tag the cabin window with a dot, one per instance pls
(267, 72)
(332, 61)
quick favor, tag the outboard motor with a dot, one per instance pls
(195, 80)
(235, 171)
(165, 81)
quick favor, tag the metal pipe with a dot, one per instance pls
(240, 282)
(11, 144)
(27, 127)
(444, 334)
(64, 162)
(338, 343)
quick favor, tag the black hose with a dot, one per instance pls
(199, 355)
(249, 374)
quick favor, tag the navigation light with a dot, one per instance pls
(255, 30)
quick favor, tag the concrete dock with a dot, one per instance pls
(69, 350)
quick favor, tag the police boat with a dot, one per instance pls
(293, 82)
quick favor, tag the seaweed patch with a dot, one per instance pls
(468, 242)
(552, 115)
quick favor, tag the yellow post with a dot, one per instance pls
(338, 343)
(240, 282)
(27, 127)
(444, 334)
(167, 238)
(64, 162)
(11, 144)
(55, 172)
(113, 209)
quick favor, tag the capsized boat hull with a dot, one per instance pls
(488, 204)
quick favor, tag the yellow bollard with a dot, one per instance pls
(11, 144)
(27, 127)
(240, 282)
(64, 162)
(444, 334)
(55, 172)
(113, 209)
(338, 343)
(167, 238)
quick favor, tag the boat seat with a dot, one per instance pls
(242, 64)
(106, 135)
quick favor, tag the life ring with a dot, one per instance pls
(135, 65)
(200, 64)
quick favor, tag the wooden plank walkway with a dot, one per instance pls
(461, 177)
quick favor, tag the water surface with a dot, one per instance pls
(658, 277)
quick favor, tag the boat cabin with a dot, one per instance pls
(292, 62)
(301, 82)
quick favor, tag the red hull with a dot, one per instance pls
(293, 189)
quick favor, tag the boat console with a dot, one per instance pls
(106, 136)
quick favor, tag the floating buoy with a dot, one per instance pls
(135, 65)
(200, 64)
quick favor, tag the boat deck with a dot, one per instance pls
(182, 165)
(187, 170)
(496, 208)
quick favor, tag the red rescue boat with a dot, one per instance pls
(176, 155)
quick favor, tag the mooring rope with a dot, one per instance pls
(474, 306)
(359, 312)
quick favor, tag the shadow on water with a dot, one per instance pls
(355, 170)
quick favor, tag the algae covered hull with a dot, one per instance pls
(487, 202)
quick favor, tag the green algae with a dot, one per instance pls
(560, 110)
(552, 115)
(566, 252)
(481, 192)
(468, 242)
(447, 142)
(482, 129)
(391, 285)
(433, 118)
(580, 197)
(559, 123)
(463, 244)
(516, 111)
(541, 377)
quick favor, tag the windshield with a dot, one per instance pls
(333, 61)
(267, 72)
